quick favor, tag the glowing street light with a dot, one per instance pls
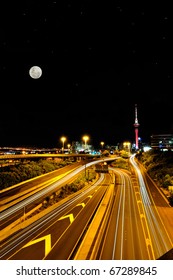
(85, 138)
(63, 139)
(102, 144)
(68, 145)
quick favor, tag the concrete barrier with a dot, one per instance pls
(90, 244)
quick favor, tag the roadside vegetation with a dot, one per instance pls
(159, 166)
(121, 163)
(78, 184)
(14, 174)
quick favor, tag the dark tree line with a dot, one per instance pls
(14, 174)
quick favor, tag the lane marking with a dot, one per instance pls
(70, 217)
(47, 239)
(81, 204)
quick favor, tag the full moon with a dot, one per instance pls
(35, 72)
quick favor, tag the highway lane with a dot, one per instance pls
(73, 237)
(29, 208)
(24, 203)
(134, 229)
(14, 194)
(151, 198)
(56, 236)
(15, 206)
(124, 237)
(161, 202)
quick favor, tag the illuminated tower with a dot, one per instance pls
(136, 125)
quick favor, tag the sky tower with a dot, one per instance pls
(136, 125)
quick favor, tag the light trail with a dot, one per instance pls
(118, 220)
(6, 213)
(156, 231)
(42, 222)
(124, 236)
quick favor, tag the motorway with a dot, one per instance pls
(114, 218)
(124, 237)
(24, 196)
(157, 212)
(57, 234)
(35, 190)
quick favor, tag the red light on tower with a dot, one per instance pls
(136, 125)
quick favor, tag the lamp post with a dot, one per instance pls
(85, 138)
(68, 145)
(63, 139)
(102, 144)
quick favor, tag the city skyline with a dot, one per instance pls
(97, 61)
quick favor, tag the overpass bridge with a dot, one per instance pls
(48, 155)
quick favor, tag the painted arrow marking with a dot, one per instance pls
(47, 239)
(70, 216)
(81, 204)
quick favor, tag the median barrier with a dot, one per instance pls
(90, 244)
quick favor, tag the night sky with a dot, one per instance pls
(98, 59)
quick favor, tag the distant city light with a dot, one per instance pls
(146, 148)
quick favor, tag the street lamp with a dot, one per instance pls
(85, 138)
(68, 145)
(63, 139)
(102, 144)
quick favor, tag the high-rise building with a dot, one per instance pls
(162, 141)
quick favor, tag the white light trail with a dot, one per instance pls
(153, 221)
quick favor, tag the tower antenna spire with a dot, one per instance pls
(136, 125)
